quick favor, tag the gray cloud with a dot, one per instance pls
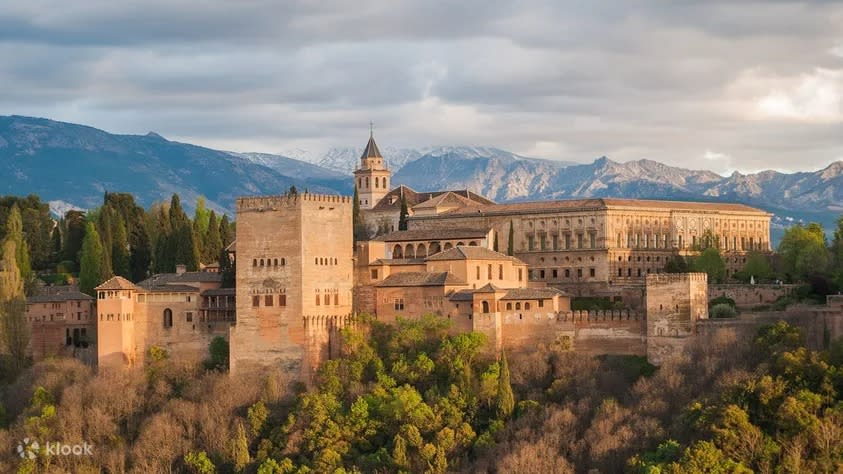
(720, 84)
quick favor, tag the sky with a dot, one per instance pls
(717, 85)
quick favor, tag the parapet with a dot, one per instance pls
(600, 315)
(273, 203)
(668, 278)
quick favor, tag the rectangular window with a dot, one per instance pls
(579, 272)
(592, 239)
(489, 272)
(520, 274)
(541, 274)
(336, 299)
(567, 241)
(579, 241)
(399, 304)
(282, 300)
(327, 300)
(268, 300)
(555, 242)
(555, 273)
(543, 239)
(374, 274)
(500, 272)
(478, 273)
(256, 301)
(591, 272)
(530, 242)
(189, 316)
(541, 303)
(318, 301)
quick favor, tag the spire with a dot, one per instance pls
(371, 150)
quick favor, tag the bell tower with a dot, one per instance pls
(372, 177)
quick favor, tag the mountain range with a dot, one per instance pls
(73, 165)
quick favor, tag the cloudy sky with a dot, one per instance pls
(721, 85)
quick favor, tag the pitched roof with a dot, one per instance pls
(220, 292)
(442, 199)
(533, 293)
(433, 234)
(421, 279)
(489, 288)
(464, 252)
(171, 289)
(117, 283)
(596, 204)
(65, 294)
(186, 277)
(462, 295)
(392, 200)
(371, 150)
(398, 261)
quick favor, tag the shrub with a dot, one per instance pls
(722, 300)
(722, 310)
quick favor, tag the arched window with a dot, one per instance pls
(434, 248)
(283, 261)
(421, 251)
(448, 246)
(509, 306)
(485, 306)
(526, 306)
(261, 262)
(409, 252)
(255, 262)
(472, 243)
(275, 262)
(367, 182)
(168, 318)
(518, 305)
(460, 243)
(397, 252)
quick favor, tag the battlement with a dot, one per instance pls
(668, 278)
(600, 315)
(272, 203)
(327, 321)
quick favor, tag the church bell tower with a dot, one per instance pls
(372, 177)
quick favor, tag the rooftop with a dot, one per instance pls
(59, 294)
(433, 234)
(464, 252)
(533, 293)
(220, 292)
(598, 204)
(392, 200)
(117, 283)
(186, 277)
(371, 150)
(421, 279)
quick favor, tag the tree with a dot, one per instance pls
(405, 214)
(676, 264)
(181, 240)
(757, 265)
(74, 222)
(218, 350)
(803, 251)
(711, 263)
(226, 231)
(14, 329)
(105, 228)
(213, 244)
(55, 247)
(92, 269)
(199, 463)
(240, 449)
(359, 226)
(836, 251)
(227, 269)
(14, 232)
(120, 258)
(506, 400)
(510, 245)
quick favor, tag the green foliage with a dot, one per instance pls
(212, 243)
(722, 310)
(120, 258)
(74, 232)
(722, 300)
(158, 354)
(404, 216)
(677, 264)
(240, 449)
(199, 463)
(711, 263)
(228, 270)
(802, 251)
(757, 266)
(257, 415)
(360, 233)
(218, 349)
(36, 225)
(92, 267)
(510, 243)
(506, 399)
(593, 303)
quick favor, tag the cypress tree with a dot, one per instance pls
(14, 329)
(120, 251)
(510, 246)
(140, 252)
(92, 264)
(163, 256)
(405, 214)
(506, 400)
(227, 269)
(226, 232)
(55, 246)
(213, 243)
(105, 228)
(240, 449)
(74, 222)
(14, 232)
(359, 226)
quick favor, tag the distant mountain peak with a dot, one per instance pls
(155, 135)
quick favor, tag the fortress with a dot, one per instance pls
(509, 271)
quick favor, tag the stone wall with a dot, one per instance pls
(674, 302)
(749, 296)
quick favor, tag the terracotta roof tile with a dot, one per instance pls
(464, 252)
(420, 279)
(433, 234)
(117, 283)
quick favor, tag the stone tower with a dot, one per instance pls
(372, 178)
(294, 280)
(675, 302)
(116, 322)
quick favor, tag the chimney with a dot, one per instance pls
(181, 269)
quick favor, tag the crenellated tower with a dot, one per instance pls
(372, 178)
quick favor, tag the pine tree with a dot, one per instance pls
(506, 400)
(120, 251)
(510, 245)
(92, 268)
(405, 214)
(240, 449)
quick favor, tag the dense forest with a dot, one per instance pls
(415, 398)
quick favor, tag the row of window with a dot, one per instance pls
(327, 299)
(379, 182)
(325, 261)
(553, 273)
(269, 262)
(167, 317)
(116, 317)
(567, 242)
(57, 317)
(79, 337)
(489, 272)
(269, 300)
